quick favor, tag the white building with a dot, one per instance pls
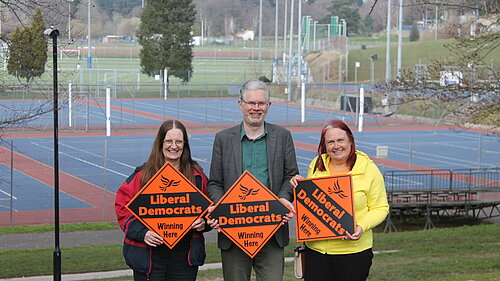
(246, 34)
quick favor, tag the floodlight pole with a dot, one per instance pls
(290, 55)
(276, 33)
(89, 48)
(400, 39)
(284, 31)
(260, 38)
(299, 44)
(388, 45)
(54, 33)
(69, 19)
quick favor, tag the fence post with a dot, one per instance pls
(410, 152)
(389, 226)
(70, 98)
(11, 177)
(479, 150)
(87, 108)
(105, 168)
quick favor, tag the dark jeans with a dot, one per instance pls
(170, 265)
(348, 267)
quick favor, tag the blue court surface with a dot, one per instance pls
(107, 161)
(150, 112)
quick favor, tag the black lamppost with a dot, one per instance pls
(54, 33)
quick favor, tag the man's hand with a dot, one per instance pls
(293, 180)
(290, 215)
(214, 224)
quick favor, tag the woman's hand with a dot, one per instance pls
(198, 224)
(293, 180)
(355, 236)
(152, 239)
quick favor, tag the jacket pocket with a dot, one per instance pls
(137, 258)
(197, 254)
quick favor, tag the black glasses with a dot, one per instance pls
(260, 104)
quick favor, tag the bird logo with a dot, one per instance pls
(247, 192)
(336, 189)
(168, 183)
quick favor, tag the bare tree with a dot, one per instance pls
(19, 13)
(464, 84)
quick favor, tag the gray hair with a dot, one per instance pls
(254, 84)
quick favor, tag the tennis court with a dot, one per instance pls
(92, 166)
(199, 112)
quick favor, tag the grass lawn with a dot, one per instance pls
(422, 52)
(460, 253)
(120, 64)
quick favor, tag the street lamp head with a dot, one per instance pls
(52, 32)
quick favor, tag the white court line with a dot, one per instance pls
(101, 115)
(434, 158)
(307, 159)
(210, 105)
(8, 208)
(418, 155)
(408, 182)
(208, 117)
(81, 160)
(464, 135)
(96, 155)
(428, 156)
(147, 108)
(8, 194)
(204, 160)
(471, 148)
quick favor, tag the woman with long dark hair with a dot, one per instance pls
(144, 250)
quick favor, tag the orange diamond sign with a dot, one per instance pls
(168, 204)
(324, 208)
(249, 214)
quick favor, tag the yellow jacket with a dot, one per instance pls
(370, 204)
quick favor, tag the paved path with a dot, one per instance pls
(80, 238)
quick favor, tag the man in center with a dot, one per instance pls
(267, 151)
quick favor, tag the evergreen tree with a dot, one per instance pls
(38, 46)
(414, 33)
(28, 50)
(165, 37)
(367, 26)
(122, 7)
(347, 10)
(15, 53)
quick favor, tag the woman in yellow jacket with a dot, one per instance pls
(348, 258)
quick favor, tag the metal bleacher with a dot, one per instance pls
(434, 193)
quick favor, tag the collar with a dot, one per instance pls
(244, 134)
